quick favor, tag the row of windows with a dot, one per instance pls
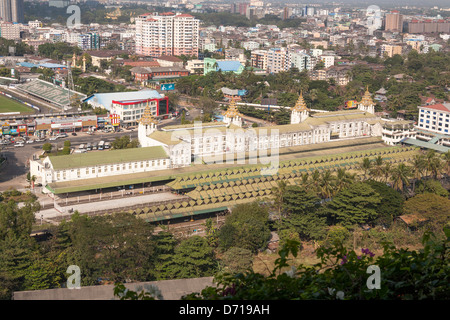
(433, 127)
(112, 168)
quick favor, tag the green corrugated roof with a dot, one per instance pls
(90, 159)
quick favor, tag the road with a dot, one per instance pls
(14, 171)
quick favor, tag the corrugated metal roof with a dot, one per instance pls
(228, 65)
(81, 160)
(105, 99)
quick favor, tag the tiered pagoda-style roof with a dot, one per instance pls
(300, 105)
(232, 110)
(147, 118)
(367, 98)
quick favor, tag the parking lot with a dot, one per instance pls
(14, 170)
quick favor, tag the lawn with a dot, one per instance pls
(9, 105)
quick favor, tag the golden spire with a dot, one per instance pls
(367, 98)
(300, 105)
(147, 118)
(232, 110)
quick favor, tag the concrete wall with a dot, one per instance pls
(170, 290)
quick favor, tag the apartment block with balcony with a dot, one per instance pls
(167, 34)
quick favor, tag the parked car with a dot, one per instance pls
(74, 133)
(62, 135)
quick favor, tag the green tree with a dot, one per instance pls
(17, 221)
(165, 244)
(431, 186)
(434, 208)
(356, 204)
(16, 254)
(400, 176)
(301, 208)
(278, 193)
(47, 147)
(237, 260)
(391, 204)
(192, 258)
(117, 247)
(342, 274)
(124, 142)
(246, 227)
(365, 166)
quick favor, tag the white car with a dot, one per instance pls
(19, 144)
(29, 141)
(53, 138)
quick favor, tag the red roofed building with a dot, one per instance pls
(143, 63)
(435, 118)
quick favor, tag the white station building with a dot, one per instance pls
(181, 145)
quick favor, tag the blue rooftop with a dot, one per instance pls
(27, 64)
(52, 65)
(228, 65)
(105, 99)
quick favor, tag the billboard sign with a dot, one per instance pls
(115, 119)
(168, 86)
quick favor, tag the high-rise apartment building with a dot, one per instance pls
(259, 59)
(11, 11)
(167, 34)
(394, 21)
(277, 60)
(89, 41)
(10, 31)
(429, 26)
(300, 60)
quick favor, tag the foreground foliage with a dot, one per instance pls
(343, 274)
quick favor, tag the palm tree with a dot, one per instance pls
(326, 184)
(278, 193)
(434, 163)
(400, 176)
(418, 167)
(315, 181)
(343, 180)
(377, 168)
(365, 166)
(303, 180)
(446, 159)
(386, 172)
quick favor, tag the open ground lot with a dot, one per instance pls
(10, 105)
